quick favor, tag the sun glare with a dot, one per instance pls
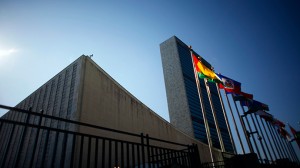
(6, 53)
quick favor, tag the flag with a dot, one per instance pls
(229, 85)
(284, 133)
(245, 102)
(265, 115)
(296, 135)
(242, 96)
(254, 105)
(205, 72)
(278, 123)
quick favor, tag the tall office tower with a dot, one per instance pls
(183, 100)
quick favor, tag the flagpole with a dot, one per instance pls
(226, 120)
(274, 153)
(214, 116)
(286, 148)
(279, 150)
(244, 128)
(263, 137)
(290, 151)
(291, 146)
(207, 129)
(293, 150)
(278, 140)
(253, 138)
(235, 125)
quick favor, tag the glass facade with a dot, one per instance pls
(194, 102)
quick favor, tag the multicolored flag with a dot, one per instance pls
(229, 85)
(284, 133)
(242, 96)
(278, 123)
(205, 72)
(254, 105)
(296, 135)
(266, 116)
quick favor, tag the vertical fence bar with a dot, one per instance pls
(81, 151)
(23, 137)
(153, 155)
(143, 150)
(167, 157)
(158, 161)
(176, 157)
(138, 155)
(36, 138)
(162, 157)
(189, 158)
(103, 153)
(7, 146)
(148, 150)
(109, 153)
(116, 154)
(73, 150)
(127, 154)
(44, 148)
(55, 148)
(96, 152)
(89, 152)
(181, 157)
(63, 151)
(133, 155)
(122, 155)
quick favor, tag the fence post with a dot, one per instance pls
(8, 145)
(196, 156)
(192, 155)
(23, 137)
(143, 150)
(148, 150)
(36, 138)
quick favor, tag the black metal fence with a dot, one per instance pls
(31, 142)
(249, 160)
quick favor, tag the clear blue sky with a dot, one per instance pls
(254, 42)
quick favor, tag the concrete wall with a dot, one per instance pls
(106, 103)
(57, 97)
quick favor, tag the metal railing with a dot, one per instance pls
(249, 160)
(33, 141)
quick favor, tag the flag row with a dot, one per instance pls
(233, 87)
